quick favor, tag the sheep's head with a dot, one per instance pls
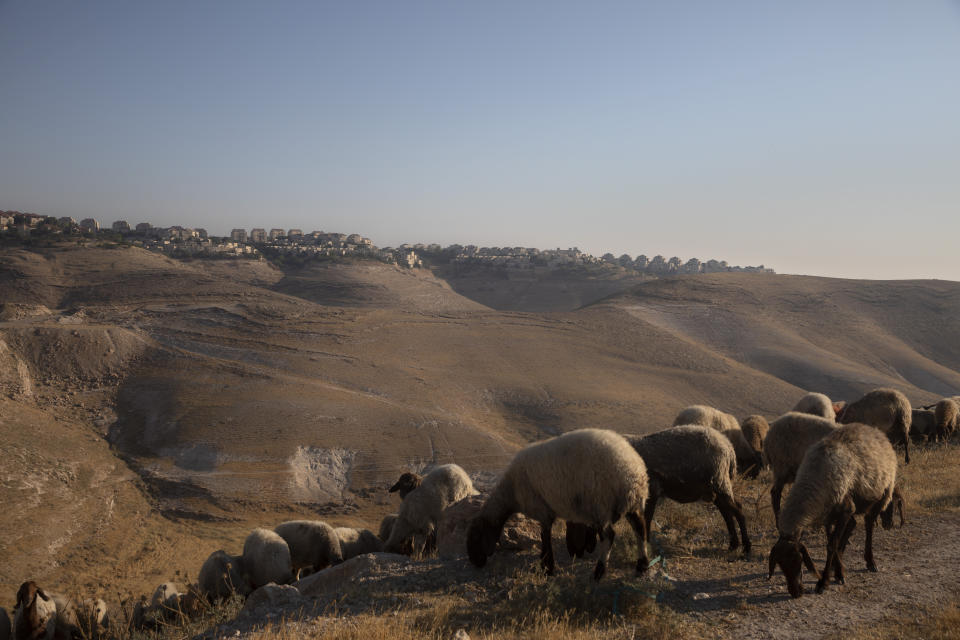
(30, 624)
(838, 408)
(406, 483)
(581, 539)
(791, 555)
(896, 505)
(482, 539)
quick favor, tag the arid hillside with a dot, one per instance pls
(201, 395)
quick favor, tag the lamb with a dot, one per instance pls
(755, 429)
(93, 619)
(748, 460)
(423, 507)
(222, 575)
(35, 614)
(406, 483)
(789, 437)
(590, 477)
(946, 413)
(816, 404)
(923, 424)
(164, 594)
(312, 543)
(356, 542)
(887, 410)
(850, 471)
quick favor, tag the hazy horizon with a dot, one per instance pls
(814, 138)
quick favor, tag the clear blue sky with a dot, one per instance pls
(814, 137)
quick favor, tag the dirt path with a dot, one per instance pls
(919, 569)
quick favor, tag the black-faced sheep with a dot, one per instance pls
(590, 477)
(946, 416)
(923, 424)
(748, 460)
(816, 404)
(887, 410)
(35, 614)
(423, 507)
(221, 575)
(313, 544)
(786, 443)
(407, 482)
(356, 542)
(691, 463)
(851, 471)
(266, 559)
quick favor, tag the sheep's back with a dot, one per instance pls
(266, 558)
(879, 408)
(817, 404)
(789, 438)
(584, 476)
(688, 454)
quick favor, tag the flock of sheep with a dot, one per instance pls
(839, 458)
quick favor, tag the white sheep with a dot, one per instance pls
(787, 441)
(816, 404)
(313, 544)
(755, 429)
(590, 477)
(266, 559)
(35, 615)
(690, 463)
(407, 482)
(850, 471)
(946, 414)
(356, 542)
(423, 507)
(748, 460)
(887, 410)
(222, 575)
(93, 618)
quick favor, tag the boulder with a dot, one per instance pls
(274, 596)
(520, 533)
(332, 578)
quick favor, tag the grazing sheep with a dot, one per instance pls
(35, 615)
(748, 460)
(356, 542)
(923, 424)
(887, 410)
(787, 441)
(690, 463)
(421, 510)
(313, 544)
(850, 471)
(407, 483)
(946, 414)
(93, 618)
(816, 404)
(590, 477)
(386, 526)
(164, 594)
(266, 559)
(222, 575)
(755, 430)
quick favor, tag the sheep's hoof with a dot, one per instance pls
(872, 566)
(746, 550)
(599, 571)
(839, 579)
(642, 565)
(821, 586)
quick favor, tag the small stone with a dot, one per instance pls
(701, 596)
(461, 634)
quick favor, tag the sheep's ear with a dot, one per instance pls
(807, 561)
(43, 595)
(773, 563)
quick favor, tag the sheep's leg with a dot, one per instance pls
(869, 521)
(776, 492)
(724, 507)
(835, 528)
(640, 529)
(648, 510)
(906, 448)
(736, 509)
(546, 546)
(608, 537)
(845, 538)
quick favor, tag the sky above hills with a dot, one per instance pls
(815, 137)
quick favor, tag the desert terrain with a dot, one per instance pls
(153, 410)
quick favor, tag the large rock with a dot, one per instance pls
(332, 578)
(520, 532)
(274, 597)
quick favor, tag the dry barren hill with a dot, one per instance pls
(189, 400)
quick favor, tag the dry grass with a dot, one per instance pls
(941, 624)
